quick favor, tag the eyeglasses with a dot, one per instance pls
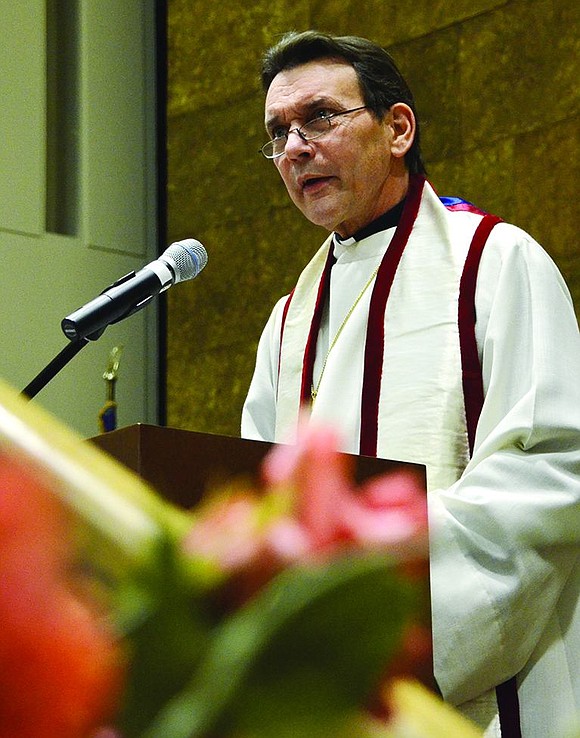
(311, 129)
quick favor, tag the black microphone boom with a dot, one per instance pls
(183, 260)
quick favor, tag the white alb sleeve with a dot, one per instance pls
(505, 538)
(259, 411)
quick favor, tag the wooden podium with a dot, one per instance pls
(182, 464)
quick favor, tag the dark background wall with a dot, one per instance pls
(496, 86)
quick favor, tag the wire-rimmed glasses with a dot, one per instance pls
(311, 129)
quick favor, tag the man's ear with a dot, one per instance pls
(404, 127)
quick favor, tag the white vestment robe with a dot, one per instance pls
(504, 519)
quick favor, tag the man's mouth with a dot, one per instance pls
(314, 183)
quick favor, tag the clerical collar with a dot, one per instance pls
(390, 219)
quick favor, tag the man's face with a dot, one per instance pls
(340, 181)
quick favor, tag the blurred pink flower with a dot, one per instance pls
(226, 531)
(387, 511)
(310, 508)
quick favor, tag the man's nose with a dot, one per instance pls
(296, 145)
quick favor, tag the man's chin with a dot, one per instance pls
(324, 217)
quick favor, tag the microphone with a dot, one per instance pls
(181, 261)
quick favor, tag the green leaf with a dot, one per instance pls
(300, 658)
(166, 630)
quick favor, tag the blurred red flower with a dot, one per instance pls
(60, 667)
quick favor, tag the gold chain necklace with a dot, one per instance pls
(313, 389)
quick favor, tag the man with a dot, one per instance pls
(428, 331)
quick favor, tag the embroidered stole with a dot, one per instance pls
(403, 346)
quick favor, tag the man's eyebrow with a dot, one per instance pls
(306, 110)
(321, 102)
(272, 122)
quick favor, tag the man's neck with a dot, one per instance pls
(390, 219)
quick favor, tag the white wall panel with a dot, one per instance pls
(22, 116)
(115, 132)
(104, 175)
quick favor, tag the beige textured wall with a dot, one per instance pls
(496, 89)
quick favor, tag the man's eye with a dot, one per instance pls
(279, 133)
(323, 113)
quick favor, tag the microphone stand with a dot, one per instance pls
(78, 340)
(52, 369)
